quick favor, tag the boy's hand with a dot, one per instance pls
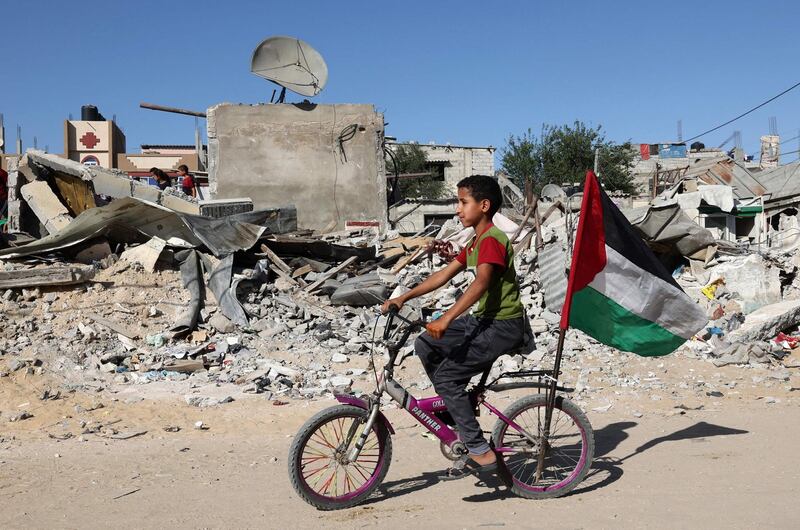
(437, 328)
(392, 301)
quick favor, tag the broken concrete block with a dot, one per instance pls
(221, 323)
(765, 322)
(757, 283)
(363, 290)
(46, 206)
(113, 186)
(178, 204)
(146, 255)
(339, 358)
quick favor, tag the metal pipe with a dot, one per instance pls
(551, 403)
(153, 106)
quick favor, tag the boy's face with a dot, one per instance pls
(470, 211)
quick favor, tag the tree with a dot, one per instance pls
(411, 162)
(563, 154)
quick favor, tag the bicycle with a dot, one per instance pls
(341, 455)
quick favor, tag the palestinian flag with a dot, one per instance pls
(618, 291)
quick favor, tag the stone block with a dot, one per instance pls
(46, 206)
(765, 322)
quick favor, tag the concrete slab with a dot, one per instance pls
(44, 203)
(765, 322)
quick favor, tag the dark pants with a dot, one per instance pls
(468, 347)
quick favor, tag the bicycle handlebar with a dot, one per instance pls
(410, 327)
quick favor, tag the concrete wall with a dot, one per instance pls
(281, 154)
(460, 161)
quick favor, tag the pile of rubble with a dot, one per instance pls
(250, 300)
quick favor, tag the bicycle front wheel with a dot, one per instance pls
(318, 467)
(568, 451)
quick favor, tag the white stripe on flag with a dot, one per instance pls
(648, 296)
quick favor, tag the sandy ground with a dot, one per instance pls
(731, 464)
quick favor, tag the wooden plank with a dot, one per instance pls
(114, 326)
(56, 275)
(305, 269)
(283, 275)
(275, 259)
(408, 259)
(329, 274)
(76, 193)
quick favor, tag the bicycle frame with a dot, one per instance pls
(423, 410)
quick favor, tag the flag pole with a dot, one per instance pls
(552, 386)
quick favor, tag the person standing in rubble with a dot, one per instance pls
(188, 185)
(162, 179)
(3, 193)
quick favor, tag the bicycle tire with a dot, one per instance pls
(565, 465)
(379, 450)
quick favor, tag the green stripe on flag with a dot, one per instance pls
(612, 324)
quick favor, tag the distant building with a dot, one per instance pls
(454, 162)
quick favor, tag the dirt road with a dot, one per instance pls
(732, 466)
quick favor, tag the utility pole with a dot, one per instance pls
(655, 181)
(680, 131)
(19, 140)
(597, 161)
(2, 135)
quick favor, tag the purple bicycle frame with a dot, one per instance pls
(424, 410)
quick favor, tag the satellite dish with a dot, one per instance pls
(290, 63)
(553, 192)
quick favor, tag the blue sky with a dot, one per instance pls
(468, 73)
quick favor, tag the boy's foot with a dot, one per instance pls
(482, 467)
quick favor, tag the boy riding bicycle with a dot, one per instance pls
(455, 348)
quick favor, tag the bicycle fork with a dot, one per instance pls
(362, 439)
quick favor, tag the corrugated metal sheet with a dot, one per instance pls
(725, 171)
(553, 274)
(782, 182)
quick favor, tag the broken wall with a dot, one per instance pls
(327, 160)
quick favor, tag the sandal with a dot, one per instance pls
(466, 466)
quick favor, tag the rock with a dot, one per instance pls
(340, 381)
(221, 323)
(539, 325)
(19, 416)
(365, 290)
(15, 364)
(339, 358)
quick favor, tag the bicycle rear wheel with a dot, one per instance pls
(318, 469)
(570, 447)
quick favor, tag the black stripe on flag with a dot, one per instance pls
(623, 237)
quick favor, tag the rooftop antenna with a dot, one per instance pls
(291, 64)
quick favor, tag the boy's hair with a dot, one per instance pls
(183, 167)
(483, 187)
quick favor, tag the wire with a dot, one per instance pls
(773, 98)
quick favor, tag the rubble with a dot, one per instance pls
(251, 304)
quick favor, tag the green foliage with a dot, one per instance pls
(411, 159)
(563, 154)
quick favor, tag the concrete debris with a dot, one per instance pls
(292, 315)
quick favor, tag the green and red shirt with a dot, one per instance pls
(501, 299)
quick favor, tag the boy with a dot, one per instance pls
(454, 349)
(186, 181)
